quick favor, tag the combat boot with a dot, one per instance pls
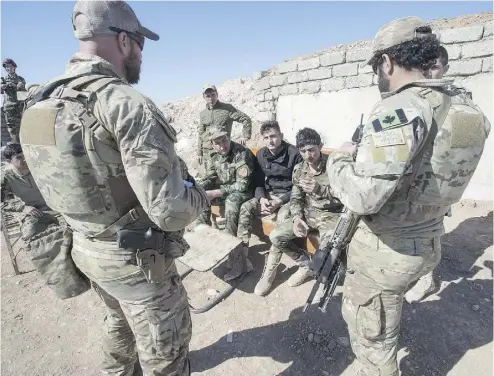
(424, 286)
(239, 263)
(302, 274)
(268, 274)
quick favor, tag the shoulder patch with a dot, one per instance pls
(389, 119)
(242, 171)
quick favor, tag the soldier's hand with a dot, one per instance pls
(275, 203)
(300, 228)
(4, 86)
(212, 194)
(242, 141)
(33, 212)
(265, 204)
(309, 185)
(348, 147)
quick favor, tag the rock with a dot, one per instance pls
(310, 337)
(332, 345)
(229, 337)
(317, 338)
(475, 307)
(325, 373)
(344, 341)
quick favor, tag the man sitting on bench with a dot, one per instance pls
(312, 207)
(228, 180)
(17, 179)
(274, 166)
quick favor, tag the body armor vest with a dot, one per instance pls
(456, 131)
(75, 160)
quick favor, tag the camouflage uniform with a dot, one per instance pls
(11, 106)
(220, 116)
(114, 166)
(319, 210)
(24, 187)
(403, 185)
(234, 172)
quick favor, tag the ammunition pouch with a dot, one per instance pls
(50, 253)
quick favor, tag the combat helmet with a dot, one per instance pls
(9, 61)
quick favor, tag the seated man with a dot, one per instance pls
(228, 180)
(17, 179)
(312, 207)
(273, 174)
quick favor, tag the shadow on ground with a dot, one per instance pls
(435, 334)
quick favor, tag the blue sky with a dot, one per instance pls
(202, 42)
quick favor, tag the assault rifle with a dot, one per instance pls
(326, 263)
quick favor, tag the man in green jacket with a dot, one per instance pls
(220, 115)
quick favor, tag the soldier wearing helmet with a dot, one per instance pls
(12, 107)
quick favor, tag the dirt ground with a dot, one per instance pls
(449, 333)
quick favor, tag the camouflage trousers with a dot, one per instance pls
(232, 203)
(282, 237)
(251, 209)
(13, 116)
(31, 226)
(145, 322)
(378, 273)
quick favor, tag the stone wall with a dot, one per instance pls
(470, 52)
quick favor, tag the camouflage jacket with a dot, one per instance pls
(234, 171)
(221, 116)
(13, 83)
(132, 161)
(400, 182)
(317, 204)
(23, 187)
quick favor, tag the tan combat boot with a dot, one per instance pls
(302, 274)
(268, 274)
(424, 286)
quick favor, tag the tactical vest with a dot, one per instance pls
(451, 150)
(75, 160)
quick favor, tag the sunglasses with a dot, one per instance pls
(139, 39)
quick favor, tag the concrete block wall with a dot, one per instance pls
(470, 52)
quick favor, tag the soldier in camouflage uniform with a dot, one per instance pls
(420, 148)
(114, 167)
(218, 115)
(312, 207)
(274, 166)
(228, 181)
(17, 179)
(11, 106)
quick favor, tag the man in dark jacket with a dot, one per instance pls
(273, 173)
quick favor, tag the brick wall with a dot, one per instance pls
(470, 52)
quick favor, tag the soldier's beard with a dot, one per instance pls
(382, 82)
(132, 65)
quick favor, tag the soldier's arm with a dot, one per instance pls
(239, 116)
(210, 176)
(146, 144)
(243, 175)
(21, 85)
(389, 141)
(297, 199)
(200, 134)
(9, 206)
(259, 178)
(287, 196)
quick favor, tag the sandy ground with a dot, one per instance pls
(449, 333)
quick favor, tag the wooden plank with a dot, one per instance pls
(208, 246)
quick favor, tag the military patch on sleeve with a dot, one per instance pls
(388, 138)
(389, 119)
(242, 171)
